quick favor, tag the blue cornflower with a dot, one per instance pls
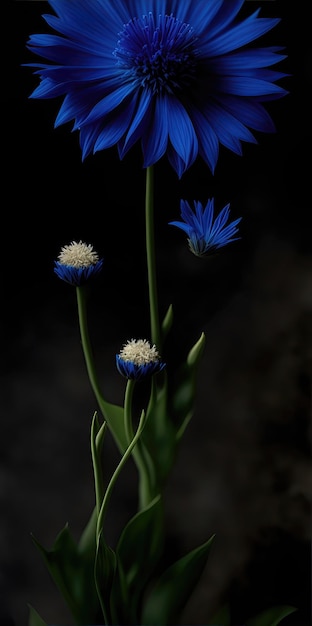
(138, 359)
(77, 262)
(206, 234)
(176, 76)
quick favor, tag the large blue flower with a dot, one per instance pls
(206, 234)
(176, 75)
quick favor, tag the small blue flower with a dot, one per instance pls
(138, 359)
(77, 263)
(206, 234)
(178, 77)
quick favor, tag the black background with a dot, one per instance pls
(244, 468)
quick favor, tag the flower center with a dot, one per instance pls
(139, 351)
(161, 56)
(78, 254)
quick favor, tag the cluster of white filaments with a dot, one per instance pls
(78, 254)
(139, 352)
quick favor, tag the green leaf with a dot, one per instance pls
(87, 542)
(167, 322)
(105, 568)
(185, 389)
(272, 616)
(196, 352)
(114, 416)
(169, 412)
(159, 434)
(172, 590)
(139, 549)
(34, 618)
(72, 572)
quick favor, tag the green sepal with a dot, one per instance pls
(72, 572)
(169, 595)
(271, 616)
(139, 550)
(34, 617)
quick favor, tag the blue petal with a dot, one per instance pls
(247, 86)
(229, 130)
(115, 128)
(155, 140)
(249, 29)
(181, 131)
(250, 113)
(109, 103)
(77, 276)
(138, 125)
(224, 17)
(208, 141)
(132, 371)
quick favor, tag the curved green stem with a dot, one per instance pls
(113, 414)
(145, 490)
(97, 439)
(86, 344)
(109, 489)
(151, 260)
(128, 410)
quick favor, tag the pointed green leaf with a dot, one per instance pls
(196, 352)
(87, 541)
(185, 388)
(139, 549)
(272, 616)
(167, 421)
(34, 618)
(114, 416)
(72, 573)
(171, 592)
(159, 435)
(167, 322)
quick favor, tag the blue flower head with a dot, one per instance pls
(178, 77)
(138, 359)
(77, 263)
(206, 234)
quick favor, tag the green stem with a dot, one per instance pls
(151, 259)
(97, 439)
(109, 489)
(128, 410)
(86, 343)
(145, 495)
(113, 414)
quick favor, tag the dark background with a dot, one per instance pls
(244, 468)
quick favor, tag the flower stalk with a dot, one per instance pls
(151, 258)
